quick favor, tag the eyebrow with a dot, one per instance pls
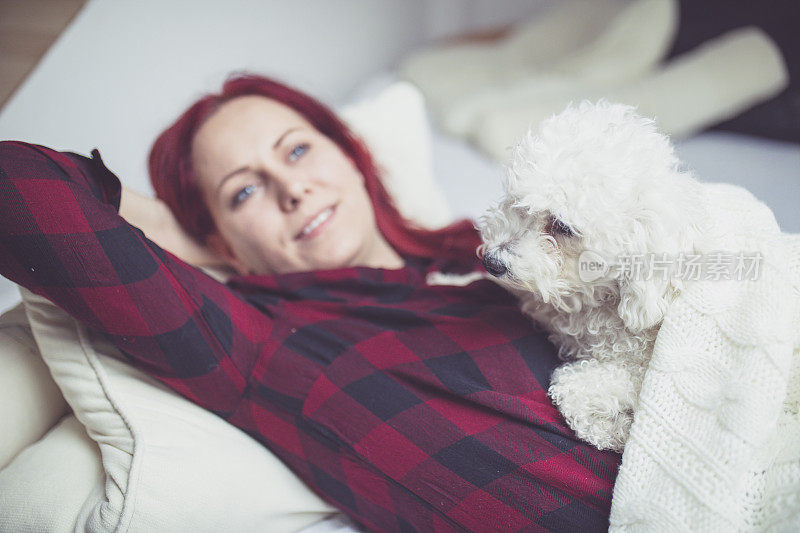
(245, 168)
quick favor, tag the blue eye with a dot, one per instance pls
(297, 152)
(243, 195)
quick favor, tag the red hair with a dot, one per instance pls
(174, 182)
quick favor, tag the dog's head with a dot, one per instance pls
(595, 182)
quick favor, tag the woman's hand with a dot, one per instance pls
(154, 218)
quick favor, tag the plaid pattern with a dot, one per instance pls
(409, 407)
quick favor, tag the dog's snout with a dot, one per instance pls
(494, 265)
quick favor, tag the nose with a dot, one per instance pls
(494, 265)
(291, 193)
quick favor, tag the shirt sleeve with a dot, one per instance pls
(62, 237)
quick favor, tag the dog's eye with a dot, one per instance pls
(557, 227)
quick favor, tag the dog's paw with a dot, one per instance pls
(597, 400)
(604, 430)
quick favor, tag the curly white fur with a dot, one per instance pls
(595, 177)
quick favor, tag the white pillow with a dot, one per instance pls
(168, 464)
(46, 485)
(394, 125)
(30, 401)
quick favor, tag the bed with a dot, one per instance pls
(122, 70)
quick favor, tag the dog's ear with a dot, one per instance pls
(642, 302)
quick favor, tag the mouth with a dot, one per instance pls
(316, 224)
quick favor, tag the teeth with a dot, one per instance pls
(319, 219)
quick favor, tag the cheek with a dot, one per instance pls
(571, 252)
(365, 213)
(329, 164)
(536, 256)
(360, 212)
(532, 249)
(250, 233)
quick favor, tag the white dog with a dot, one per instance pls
(589, 198)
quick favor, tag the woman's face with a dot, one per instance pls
(284, 197)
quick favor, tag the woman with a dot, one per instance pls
(407, 405)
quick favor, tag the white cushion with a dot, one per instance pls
(167, 464)
(30, 402)
(727, 75)
(45, 486)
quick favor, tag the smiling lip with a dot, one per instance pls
(318, 227)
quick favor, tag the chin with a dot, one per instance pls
(336, 255)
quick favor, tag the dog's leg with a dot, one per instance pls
(597, 399)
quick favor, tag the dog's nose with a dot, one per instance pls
(493, 265)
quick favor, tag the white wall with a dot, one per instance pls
(443, 18)
(125, 68)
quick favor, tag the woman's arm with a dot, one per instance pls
(154, 218)
(61, 237)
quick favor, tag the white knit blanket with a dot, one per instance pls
(715, 444)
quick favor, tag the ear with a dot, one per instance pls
(219, 246)
(642, 303)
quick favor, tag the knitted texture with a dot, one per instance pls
(715, 443)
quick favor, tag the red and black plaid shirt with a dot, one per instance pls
(409, 407)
